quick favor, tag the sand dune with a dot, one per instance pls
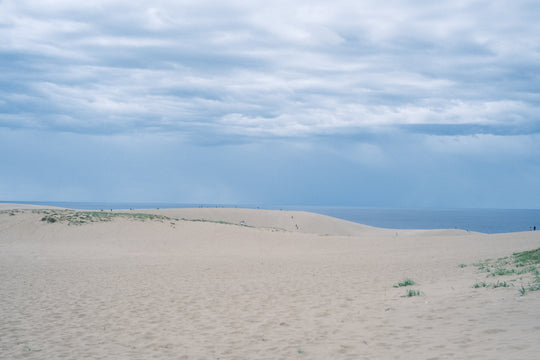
(255, 284)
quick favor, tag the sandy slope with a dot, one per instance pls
(288, 285)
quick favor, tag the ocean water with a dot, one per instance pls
(489, 221)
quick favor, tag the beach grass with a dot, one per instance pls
(524, 258)
(78, 217)
(412, 292)
(499, 284)
(480, 284)
(74, 217)
(405, 282)
(523, 266)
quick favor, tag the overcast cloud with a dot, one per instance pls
(369, 86)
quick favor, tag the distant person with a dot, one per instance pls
(534, 228)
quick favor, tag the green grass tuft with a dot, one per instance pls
(480, 284)
(406, 282)
(412, 292)
(502, 272)
(49, 219)
(500, 284)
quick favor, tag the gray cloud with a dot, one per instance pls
(270, 69)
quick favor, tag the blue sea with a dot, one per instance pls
(489, 221)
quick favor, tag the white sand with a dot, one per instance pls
(289, 285)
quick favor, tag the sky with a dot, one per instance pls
(344, 103)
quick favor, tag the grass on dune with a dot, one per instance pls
(408, 282)
(412, 292)
(76, 217)
(73, 217)
(523, 266)
(405, 282)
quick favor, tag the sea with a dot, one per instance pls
(489, 221)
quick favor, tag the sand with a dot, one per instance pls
(287, 285)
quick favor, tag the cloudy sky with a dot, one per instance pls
(359, 103)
